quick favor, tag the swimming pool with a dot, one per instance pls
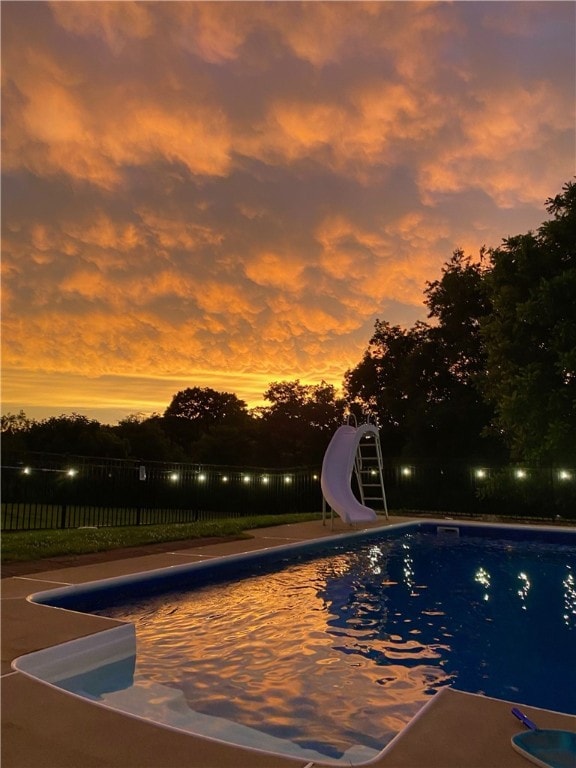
(327, 650)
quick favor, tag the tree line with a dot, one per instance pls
(490, 378)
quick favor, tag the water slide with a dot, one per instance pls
(337, 468)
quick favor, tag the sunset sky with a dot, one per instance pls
(225, 194)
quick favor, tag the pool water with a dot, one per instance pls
(338, 653)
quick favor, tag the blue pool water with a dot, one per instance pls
(335, 653)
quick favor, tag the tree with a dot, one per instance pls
(458, 302)
(75, 434)
(296, 428)
(14, 428)
(423, 383)
(394, 382)
(205, 405)
(147, 440)
(315, 405)
(530, 337)
(196, 411)
(228, 444)
(14, 423)
(403, 383)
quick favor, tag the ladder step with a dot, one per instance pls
(369, 470)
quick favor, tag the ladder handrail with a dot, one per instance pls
(358, 468)
(368, 419)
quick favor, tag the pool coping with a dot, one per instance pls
(29, 628)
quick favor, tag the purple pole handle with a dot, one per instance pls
(522, 717)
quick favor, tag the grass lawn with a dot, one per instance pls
(35, 545)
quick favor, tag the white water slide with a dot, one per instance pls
(337, 467)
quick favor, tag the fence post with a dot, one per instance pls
(63, 516)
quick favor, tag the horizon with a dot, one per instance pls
(119, 412)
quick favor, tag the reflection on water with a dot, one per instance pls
(483, 577)
(569, 585)
(344, 650)
(524, 589)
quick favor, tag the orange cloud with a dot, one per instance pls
(375, 263)
(114, 21)
(278, 270)
(210, 193)
(499, 133)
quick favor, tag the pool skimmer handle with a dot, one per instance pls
(526, 720)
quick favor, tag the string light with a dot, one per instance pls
(406, 472)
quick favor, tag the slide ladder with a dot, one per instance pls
(369, 472)
(354, 449)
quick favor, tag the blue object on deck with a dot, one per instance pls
(522, 717)
(547, 748)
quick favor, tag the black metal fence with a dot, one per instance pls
(56, 491)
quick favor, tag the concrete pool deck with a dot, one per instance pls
(43, 727)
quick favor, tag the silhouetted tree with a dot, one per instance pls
(392, 383)
(205, 405)
(297, 426)
(230, 444)
(530, 336)
(75, 434)
(15, 428)
(195, 411)
(147, 439)
(423, 383)
(15, 423)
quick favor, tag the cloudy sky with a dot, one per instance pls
(228, 194)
